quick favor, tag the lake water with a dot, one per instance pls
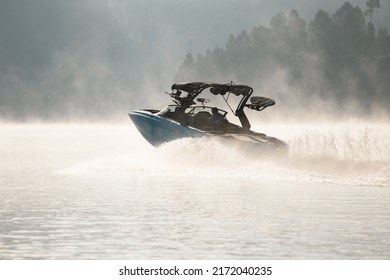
(91, 191)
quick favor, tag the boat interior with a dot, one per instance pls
(205, 118)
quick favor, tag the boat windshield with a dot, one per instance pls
(201, 117)
(167, 110)
(192, 111)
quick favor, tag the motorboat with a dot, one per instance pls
(190, 116)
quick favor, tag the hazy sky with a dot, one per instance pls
(84, 51)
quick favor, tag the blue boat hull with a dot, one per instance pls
(157, 130)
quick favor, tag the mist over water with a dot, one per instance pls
(82, 190)
(92, 191)
(351, 152)
(92, 59)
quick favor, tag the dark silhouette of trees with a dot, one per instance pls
(371, 6)
(337, 57)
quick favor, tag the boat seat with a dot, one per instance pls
(203, 116)
(202, 119)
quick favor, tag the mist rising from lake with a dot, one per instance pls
(89, 191)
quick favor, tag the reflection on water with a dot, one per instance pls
(101, 192)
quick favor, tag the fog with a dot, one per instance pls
(95, 60)
(78, 180)
(336, 65)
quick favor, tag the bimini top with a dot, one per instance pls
(193, 89)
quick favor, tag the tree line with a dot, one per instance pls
(341, 57)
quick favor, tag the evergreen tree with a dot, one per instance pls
(338, 57)
(371, 6)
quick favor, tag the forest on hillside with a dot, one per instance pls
(341, 60)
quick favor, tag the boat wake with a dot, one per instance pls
(348, 153)
(344, 153)
(353, 152)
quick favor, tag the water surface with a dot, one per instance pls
(92, 191)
